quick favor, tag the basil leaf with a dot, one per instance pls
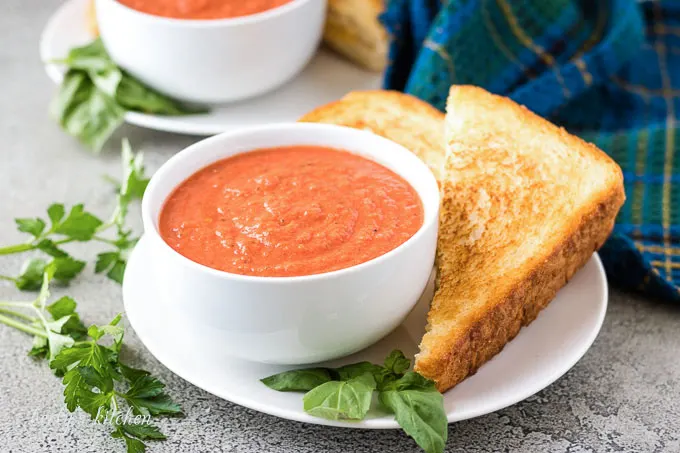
(107, 81)
(95, 117)
(353, 370)
(397, 363)
(90, 57)
(70, 94)
(96, 93)
(341, 399)
(297, 380)
(419, 409)
(84, 111)
(133, 95)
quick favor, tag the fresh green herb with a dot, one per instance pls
(30, 277)
(397, 363)
(346, 392)
(418, 408)
(95, 378)
(84, 111)
(356, 369)
(348, 399)
(96, 93)
(78, 225)
(298, 380)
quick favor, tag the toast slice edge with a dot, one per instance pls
(461, 353)
(402, 118)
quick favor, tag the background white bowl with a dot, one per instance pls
(213, 61)
(293, 320)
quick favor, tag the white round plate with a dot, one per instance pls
(541, 353)
(326, 78)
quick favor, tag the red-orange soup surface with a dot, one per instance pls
(281, 212)
(203, 9)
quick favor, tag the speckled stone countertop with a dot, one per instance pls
(622, 396)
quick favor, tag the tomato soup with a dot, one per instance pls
(281, 212)
(203, 9)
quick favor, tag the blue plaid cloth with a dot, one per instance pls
(606, 70)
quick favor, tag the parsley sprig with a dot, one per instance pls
(79, 225)
(95, 378)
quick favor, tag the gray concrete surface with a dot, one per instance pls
(622, 396)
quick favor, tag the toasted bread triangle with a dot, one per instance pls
(353, 29)
(524, 206)
(404, 119)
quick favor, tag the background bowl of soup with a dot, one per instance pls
(208, 51)
(311, 310)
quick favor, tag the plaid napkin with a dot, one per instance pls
(607, 70)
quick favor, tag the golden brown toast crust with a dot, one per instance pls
(402, 118)
(353, 29)
(508, 174)
(494, 329)
(91, 17)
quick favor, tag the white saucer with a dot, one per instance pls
(541, 353)
(325, 79)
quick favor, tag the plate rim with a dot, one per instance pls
(383, 422)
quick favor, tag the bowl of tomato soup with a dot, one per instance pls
(211, 51)
(292, 243)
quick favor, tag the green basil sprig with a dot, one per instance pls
(96, 93)
(346, 393)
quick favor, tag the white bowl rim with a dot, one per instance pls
(151, 227)
(210, 23)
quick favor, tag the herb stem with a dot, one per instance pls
(8, 278)
(41, 318)
(28, 246)
(17, 248)
(21, 326)
(18, 314)
(16, 304)
(105, 226)
(104, 240)
(114, 403)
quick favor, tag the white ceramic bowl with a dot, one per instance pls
(213, 61)
(293, 320)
